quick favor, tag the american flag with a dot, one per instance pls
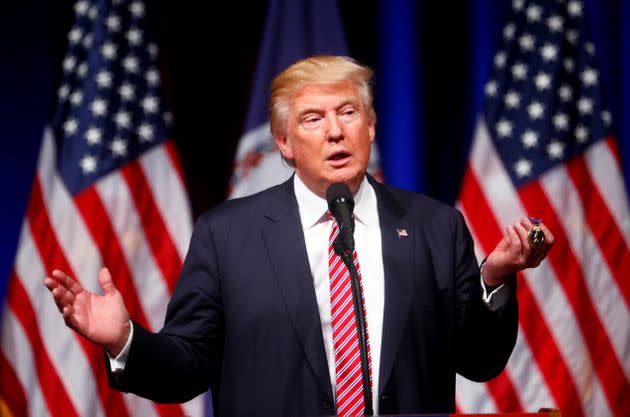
(309, 27)
(109, 191)
(543, 147)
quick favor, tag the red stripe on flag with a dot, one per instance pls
(505, 395)
(158, 237)
(170, 410)
(101, 229)
(571, 276)
(608, 236)
(614, 150)
(477, 209)
(11, 390)
(547, 354)
(96, 218)
(52, 256)
(535, 329)
(173, 155)
(57, 399)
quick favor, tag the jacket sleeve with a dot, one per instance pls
(183, 359)
(485, 338)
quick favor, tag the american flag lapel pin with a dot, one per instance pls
(402, 233)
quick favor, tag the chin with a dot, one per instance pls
(352, 180)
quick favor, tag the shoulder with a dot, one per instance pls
(414, 205)
(245, 210)
(441, 224)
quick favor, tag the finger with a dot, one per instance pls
(106, 282)
(58, 298)
(63, 297)
(67, 313)
(522, 232)
(66, 281)
(59, 294)
(548, 235)
(522, 249)
(526, 222)
(50, 283)
(68, 297)
(69, 319)
(529, 253)
(516, 246)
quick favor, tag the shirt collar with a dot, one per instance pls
(313, 207)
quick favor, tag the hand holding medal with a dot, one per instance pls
(524, 245)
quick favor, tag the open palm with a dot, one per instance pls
(102, 319)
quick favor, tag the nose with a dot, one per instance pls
(334, 131)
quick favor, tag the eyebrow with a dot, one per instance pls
(347, 101)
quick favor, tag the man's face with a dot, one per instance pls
(328, 136)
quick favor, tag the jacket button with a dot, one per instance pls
(326, 403)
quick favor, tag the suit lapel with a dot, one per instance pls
(284, 240)
(397, 245)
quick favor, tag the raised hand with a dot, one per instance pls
(102, 319)
(514, 252)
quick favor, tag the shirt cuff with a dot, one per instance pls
(497, 297)
(117, 364)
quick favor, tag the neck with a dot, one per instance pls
(320, 189)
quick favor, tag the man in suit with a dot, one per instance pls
(252, 315)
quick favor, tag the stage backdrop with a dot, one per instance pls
(432, 63)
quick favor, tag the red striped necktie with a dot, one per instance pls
(350, 400)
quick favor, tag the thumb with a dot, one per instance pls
(105, 280)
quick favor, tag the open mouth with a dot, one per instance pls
(338, 156)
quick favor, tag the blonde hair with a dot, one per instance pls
(320, 69)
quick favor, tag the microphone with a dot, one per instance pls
(341, 204)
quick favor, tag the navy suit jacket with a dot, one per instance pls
(244, 321)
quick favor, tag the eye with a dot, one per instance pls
(311, 122)
(349, 114)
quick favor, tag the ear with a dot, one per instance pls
(372, 129)
(283, 143)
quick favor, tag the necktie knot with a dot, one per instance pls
(330, 216)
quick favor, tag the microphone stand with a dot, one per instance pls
(360, 318)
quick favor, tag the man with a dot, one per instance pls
(253, 315)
